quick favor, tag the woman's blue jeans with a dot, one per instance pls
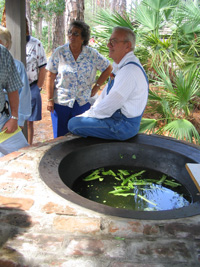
(61, 116)
(117, 127)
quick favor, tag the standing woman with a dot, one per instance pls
(71, 74)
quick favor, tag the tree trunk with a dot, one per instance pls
(122, 7)
(36, 24)
(49, 35)
(28, 15)
(118, 6)
(74, 11)
(58, 31)
(113, 5)
(40, 28)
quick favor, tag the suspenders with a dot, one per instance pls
(111, 82)
(131, 62)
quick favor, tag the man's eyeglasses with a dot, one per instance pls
(113, 42)
(70, 33)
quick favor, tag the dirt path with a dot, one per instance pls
(43, 129)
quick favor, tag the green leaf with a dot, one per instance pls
(109, 172)
(148, 125)
(124, 194)
(135, 175)
(183, 129)
(144, 198)
(124, 172)
(163, 178)
(93, 176)
(172, 183)
(90, 178)
(119, 238)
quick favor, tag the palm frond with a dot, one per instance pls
(146, 16)
(106, 21)
(154, 95)
(148, 125)
(183, 130)
(164, 77)
(110, 20)
(189, 12)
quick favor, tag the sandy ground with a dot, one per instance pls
(43, 129)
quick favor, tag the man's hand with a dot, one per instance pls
(11, 125)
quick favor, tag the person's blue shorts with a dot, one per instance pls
(36, 104)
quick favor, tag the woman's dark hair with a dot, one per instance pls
(85, 30)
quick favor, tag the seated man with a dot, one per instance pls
(117, 112)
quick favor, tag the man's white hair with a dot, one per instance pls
(5, 37)
(130, 35)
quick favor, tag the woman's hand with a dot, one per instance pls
(50, 78)
(50, 106)
(95, 89)
(103, 77)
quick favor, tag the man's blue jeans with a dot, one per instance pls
(117, 127)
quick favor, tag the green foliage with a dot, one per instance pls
(38, 8)
(182, 129)
(173, 99)
(148, 125)
(55, 7)
(168, 46)
(130, 180)
(45, 38)
(106, 21)
(2, 3)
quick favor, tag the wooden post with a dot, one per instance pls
(16, 24)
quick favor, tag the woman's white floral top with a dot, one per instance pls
(74, 79)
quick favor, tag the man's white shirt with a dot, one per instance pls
(129, 92)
